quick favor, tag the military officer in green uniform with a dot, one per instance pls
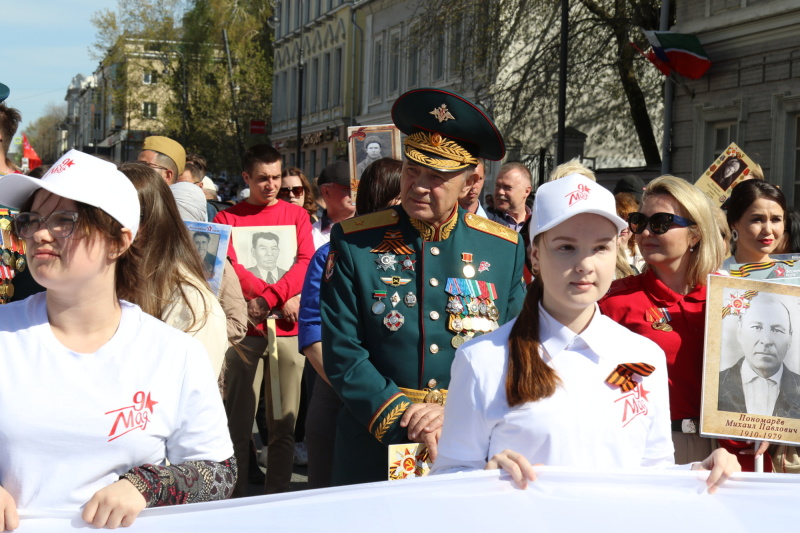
(404, 287)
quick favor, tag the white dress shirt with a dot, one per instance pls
(760, 393)
(587, 423)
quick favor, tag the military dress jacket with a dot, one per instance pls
(397, 298)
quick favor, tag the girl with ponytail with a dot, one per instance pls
(563, 385)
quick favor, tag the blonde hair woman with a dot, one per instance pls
(679, 237)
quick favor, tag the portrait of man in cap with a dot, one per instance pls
(367, 144)
(206, 250)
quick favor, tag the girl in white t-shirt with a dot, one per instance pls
(562, 384)
(104, 408)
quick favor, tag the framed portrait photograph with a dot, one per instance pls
(211, 242)
(266, 251)
(731, 167)
(751, 375)
(366, 144)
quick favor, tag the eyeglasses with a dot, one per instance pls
(60, 224)
(660, 223)
(284, 192)
(153, 165)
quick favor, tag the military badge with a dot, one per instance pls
(469, 270)
(395, 299)
(386, 261)
(659, 318)
(393, 320)
(395, 281)
(484, 266)
(442, 114)
(329, 264)
(410, 299)
(408, 263)
(379, 307)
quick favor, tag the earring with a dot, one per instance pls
(691, 249)
(734, 235)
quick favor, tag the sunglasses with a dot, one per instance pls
(659, 223)
(284, 192)
(60, 224)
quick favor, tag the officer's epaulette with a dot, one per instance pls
(492, 228)
(379, 219)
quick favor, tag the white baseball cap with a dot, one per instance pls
(562, 199)
(83, 178)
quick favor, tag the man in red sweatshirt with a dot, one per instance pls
(263, 211)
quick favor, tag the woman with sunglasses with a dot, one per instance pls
(679, 238)
(133, 401)
(296, 190)
(546, 387)
(756, 214)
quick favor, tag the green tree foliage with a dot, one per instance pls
(510, 62)
(186, 40)
(211, 130)
(45, 133)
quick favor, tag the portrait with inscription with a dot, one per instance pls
(752, 361)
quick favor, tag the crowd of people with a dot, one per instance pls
(497, 336)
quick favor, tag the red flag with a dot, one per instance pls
(27, 151)
(681, 53)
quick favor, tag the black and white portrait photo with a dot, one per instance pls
(266, 251)
(211, 242)
(759, 382)
(751, 367)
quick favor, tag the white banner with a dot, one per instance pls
(560, 500)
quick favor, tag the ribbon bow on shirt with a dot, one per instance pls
(623, 374)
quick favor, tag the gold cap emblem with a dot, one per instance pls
(442, 114)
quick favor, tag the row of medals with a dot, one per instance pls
(470, 315)
(10, 257)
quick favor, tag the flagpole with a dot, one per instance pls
(669, 91)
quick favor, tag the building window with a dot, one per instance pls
(292, 91)
(724, 135)
(456, 52)
(326, 81)
(279, 18)
(149, 109)
(394, 63)
(439, 58)
(377, 69)
(313, 163)
(150, 77)
(313, 88)
(324, 160)
(715, 127)
(413, 61)
(337, 77)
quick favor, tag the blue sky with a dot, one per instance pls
(45, 43)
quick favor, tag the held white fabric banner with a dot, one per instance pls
(560, 500)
